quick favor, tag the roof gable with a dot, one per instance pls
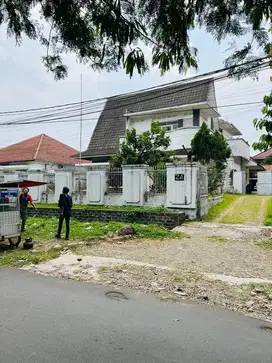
(112, 123)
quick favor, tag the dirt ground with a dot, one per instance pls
(223, 265)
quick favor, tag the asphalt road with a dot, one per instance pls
(46, 320)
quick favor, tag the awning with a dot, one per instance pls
(21, 184)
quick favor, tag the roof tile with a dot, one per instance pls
(39, 148)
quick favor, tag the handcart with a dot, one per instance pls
(10, 209)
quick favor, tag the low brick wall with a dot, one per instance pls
(168, 220)
(212, 201)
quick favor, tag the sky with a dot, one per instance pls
(25, 83)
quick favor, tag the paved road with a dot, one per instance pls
(45, 320)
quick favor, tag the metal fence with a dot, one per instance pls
(157, 179)
(79, 182)
(114, 181)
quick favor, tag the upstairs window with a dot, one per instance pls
(172, 125)
(212, 124)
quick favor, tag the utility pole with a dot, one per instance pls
(80, 132)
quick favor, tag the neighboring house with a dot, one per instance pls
(38, 158)
(181, 109)
(260, 159)
(40, 153)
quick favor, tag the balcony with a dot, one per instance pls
(239, 147)
(182, 136)
(179, 137)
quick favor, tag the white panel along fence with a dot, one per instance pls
(183, 186)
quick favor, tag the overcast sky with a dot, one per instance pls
(26, 84)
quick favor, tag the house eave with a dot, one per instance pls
(188, 107)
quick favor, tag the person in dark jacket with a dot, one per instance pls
(65, 205)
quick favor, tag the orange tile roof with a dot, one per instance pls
(263, 155)
(39, 148)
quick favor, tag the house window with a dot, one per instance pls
(172, 125)
(212, 125)
(196, 117)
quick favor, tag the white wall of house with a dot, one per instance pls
(32, 166)
(239, 148)
(179, 136)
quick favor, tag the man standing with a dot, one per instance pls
(65, 205)
(24, 198)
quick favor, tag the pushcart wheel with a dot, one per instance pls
(16, 244)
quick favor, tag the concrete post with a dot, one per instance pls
(96, 184)
(134, 184)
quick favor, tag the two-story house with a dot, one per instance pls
(181, 108)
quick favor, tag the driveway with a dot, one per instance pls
(47, 320)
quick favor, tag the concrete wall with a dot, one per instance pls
(182, 187)
(212, 201)
(240, 148)
(264, 183)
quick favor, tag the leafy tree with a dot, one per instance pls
(264, 123)
(106, 34)
(212, 149)
(267, 161)
(148, 148)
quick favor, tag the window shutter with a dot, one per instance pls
(212, 125)
(180, 123)
(196, 117)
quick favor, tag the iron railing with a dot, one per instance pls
(157, 179)
(114, 180)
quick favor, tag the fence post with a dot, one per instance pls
(134, 184)
(62, 179)
(182, 186)
(96, 184)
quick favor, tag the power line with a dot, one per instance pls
(190, 86)
(68, 118)
(204, 75)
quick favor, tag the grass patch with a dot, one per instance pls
(218, 209)
(266, 244)
(217, 239)
(268, 217)
(46, 228)
(19, 257)
(244, 212)
(264, 288)
(110, 208)
(189, 276)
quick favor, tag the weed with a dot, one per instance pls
(266, 244)
(268, 217)
(218, 239)
(18, 258)
(265, 288)
(189, 276)
(45, 229)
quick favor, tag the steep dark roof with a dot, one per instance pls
(112, 123)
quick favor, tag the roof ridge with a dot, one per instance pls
(180, 83)
(38, 148)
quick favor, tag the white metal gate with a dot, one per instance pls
(182, 186)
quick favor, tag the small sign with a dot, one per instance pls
(179, 177)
